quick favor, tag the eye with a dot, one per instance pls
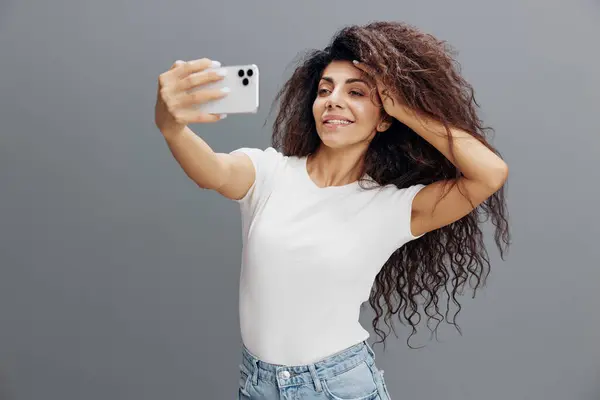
(322, 91)
(356, 93)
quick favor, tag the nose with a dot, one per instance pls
(334, 100)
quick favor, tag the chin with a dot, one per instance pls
(334, 145)
(334, 141)
(338, 140)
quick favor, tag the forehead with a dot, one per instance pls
(342, 70)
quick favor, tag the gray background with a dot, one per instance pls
(119, 276)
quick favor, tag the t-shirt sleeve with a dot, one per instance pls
(408, 198)
(265, 163)
(397, 205)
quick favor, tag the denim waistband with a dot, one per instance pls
(289, 375)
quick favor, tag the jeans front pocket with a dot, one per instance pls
(356, 383)
(385, 394)
(245, 377)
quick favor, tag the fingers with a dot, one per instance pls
(196, 117)
(372, 70)
(358, 64)
(208, 118)
(176, 100)
(199, 78)
(188, 99)
(363, 67)
(176, 64)
(184, 76)
(369, 72)
(182, 69)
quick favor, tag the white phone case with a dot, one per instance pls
(242, 80)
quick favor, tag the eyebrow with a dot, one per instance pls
(351, 80)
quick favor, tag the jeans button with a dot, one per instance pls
(284, 374)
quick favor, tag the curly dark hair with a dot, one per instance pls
(419, 70)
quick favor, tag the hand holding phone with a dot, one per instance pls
(200, 91)
(241, 84)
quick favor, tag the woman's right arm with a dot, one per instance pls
(231, 175)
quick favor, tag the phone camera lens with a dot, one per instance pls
(245, 81)
(250, 72)
(241, 73)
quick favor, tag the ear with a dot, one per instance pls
(385, 124)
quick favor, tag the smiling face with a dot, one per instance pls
(343, 111)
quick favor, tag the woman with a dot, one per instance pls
(373, 190)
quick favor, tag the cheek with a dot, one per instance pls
(366, 112)
(317, 108)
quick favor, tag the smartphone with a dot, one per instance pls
(242, 80)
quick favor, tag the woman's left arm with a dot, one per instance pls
(483, 173)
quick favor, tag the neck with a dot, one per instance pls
(336, 167)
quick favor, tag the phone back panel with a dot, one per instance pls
(243, 98)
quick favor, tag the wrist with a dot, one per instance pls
(415, 120)
(172, 132)
(403, 115)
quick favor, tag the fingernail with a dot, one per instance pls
(225, 90)
(222, 116)
(215, 64)
(222, 72)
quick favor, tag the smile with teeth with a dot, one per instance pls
(337, 122)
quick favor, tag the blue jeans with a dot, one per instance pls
(350, 374)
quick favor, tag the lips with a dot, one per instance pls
(337, 120)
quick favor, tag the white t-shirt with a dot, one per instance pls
(310, 257)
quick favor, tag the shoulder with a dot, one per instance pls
(269, 166)
(268, 163)
(395, 205)
(396, 196)
(259, 154)
(262, 158)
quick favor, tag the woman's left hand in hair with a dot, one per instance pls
(391, 104)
